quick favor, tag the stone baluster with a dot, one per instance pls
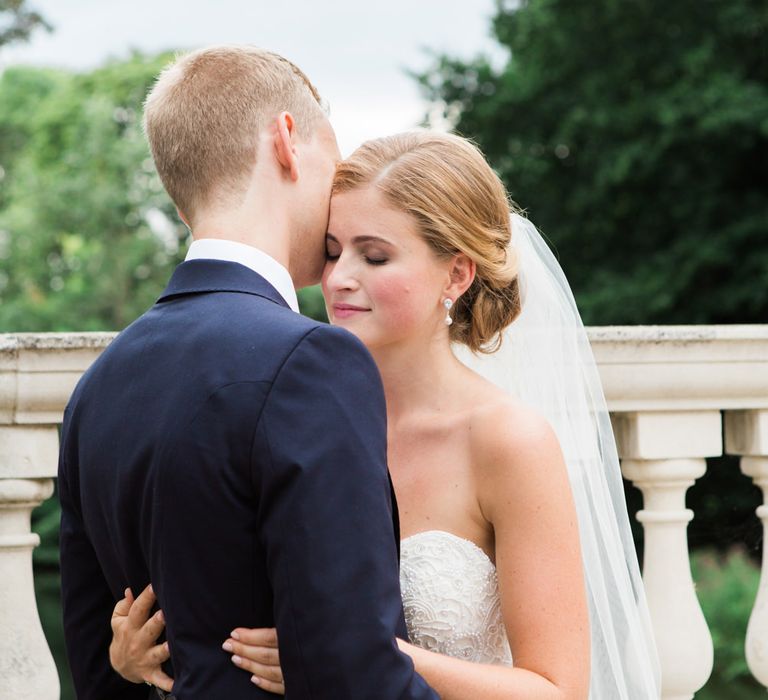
(28, 455)
(746, 434)
(37, 375)
(663, 454)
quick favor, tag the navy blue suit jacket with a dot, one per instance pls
(233, 452)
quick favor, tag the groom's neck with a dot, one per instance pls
(269, 231)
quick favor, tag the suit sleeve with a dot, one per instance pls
(325, 515)
(87, 601)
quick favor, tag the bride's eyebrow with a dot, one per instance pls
(362, 239)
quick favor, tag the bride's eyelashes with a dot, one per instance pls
(369, 259)
(372, 249)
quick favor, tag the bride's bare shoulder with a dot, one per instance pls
(510, 439)
(501, 421)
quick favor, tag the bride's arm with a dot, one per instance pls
(524, 492)
(457, 679)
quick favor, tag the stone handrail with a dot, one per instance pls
(668, 389)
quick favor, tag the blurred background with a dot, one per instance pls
(633, 132)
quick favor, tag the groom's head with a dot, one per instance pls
(234, 127)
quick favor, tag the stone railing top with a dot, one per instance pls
(643, 334)
(38, 372)
(677, 334)
(13, 342)
(682, 367)
(643, 368)
(678, 343)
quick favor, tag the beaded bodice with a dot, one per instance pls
(451, 598)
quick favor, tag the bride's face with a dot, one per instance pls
(381, 280)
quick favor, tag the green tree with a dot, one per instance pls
(726, 585)
(18, 21)
(87, 233)
(635, 133)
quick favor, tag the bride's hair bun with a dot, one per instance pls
(460, 206)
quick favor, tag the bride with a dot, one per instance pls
(518, 572)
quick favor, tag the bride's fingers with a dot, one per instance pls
(269, 673)
(159, 654)
(260, 654)
(161, 680)
(153, 627)
(156, 656)
(270, 686)
(258, 637)
(141, 608)
(123, 606)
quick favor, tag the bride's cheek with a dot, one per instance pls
(399, 303)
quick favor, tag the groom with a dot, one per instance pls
(224, 447)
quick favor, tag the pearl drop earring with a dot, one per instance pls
(447, 303)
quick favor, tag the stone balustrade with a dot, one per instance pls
(37, 375)
(668, 389)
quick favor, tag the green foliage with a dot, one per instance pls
(87, 234)
(635, 133)
(726, 586)
(18, 21)
(724, 501)
(312, 304)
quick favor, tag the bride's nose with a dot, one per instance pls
(340, 276)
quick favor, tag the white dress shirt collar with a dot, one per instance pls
(253, 258)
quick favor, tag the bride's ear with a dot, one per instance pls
(285, 150)
(462, 274)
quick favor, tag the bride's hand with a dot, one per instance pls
(134, 653)
(255, 651)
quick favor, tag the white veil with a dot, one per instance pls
(546, 361)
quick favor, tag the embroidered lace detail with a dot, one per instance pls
(451, 598)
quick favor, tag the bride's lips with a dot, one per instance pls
(347, 310)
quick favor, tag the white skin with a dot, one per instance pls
(464, 458)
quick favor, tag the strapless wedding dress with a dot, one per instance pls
(451, 598)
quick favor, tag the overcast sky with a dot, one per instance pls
(355, 51)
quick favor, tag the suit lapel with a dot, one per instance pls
(207, 276)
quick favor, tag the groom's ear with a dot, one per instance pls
(285, 151)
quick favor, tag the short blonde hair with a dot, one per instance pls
(460, 206)
(204, 114)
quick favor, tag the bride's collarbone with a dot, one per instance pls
(432, 462)
(438, 495)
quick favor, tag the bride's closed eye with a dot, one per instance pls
(370, 259)
(332, 250)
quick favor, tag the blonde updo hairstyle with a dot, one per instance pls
(460, 206)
